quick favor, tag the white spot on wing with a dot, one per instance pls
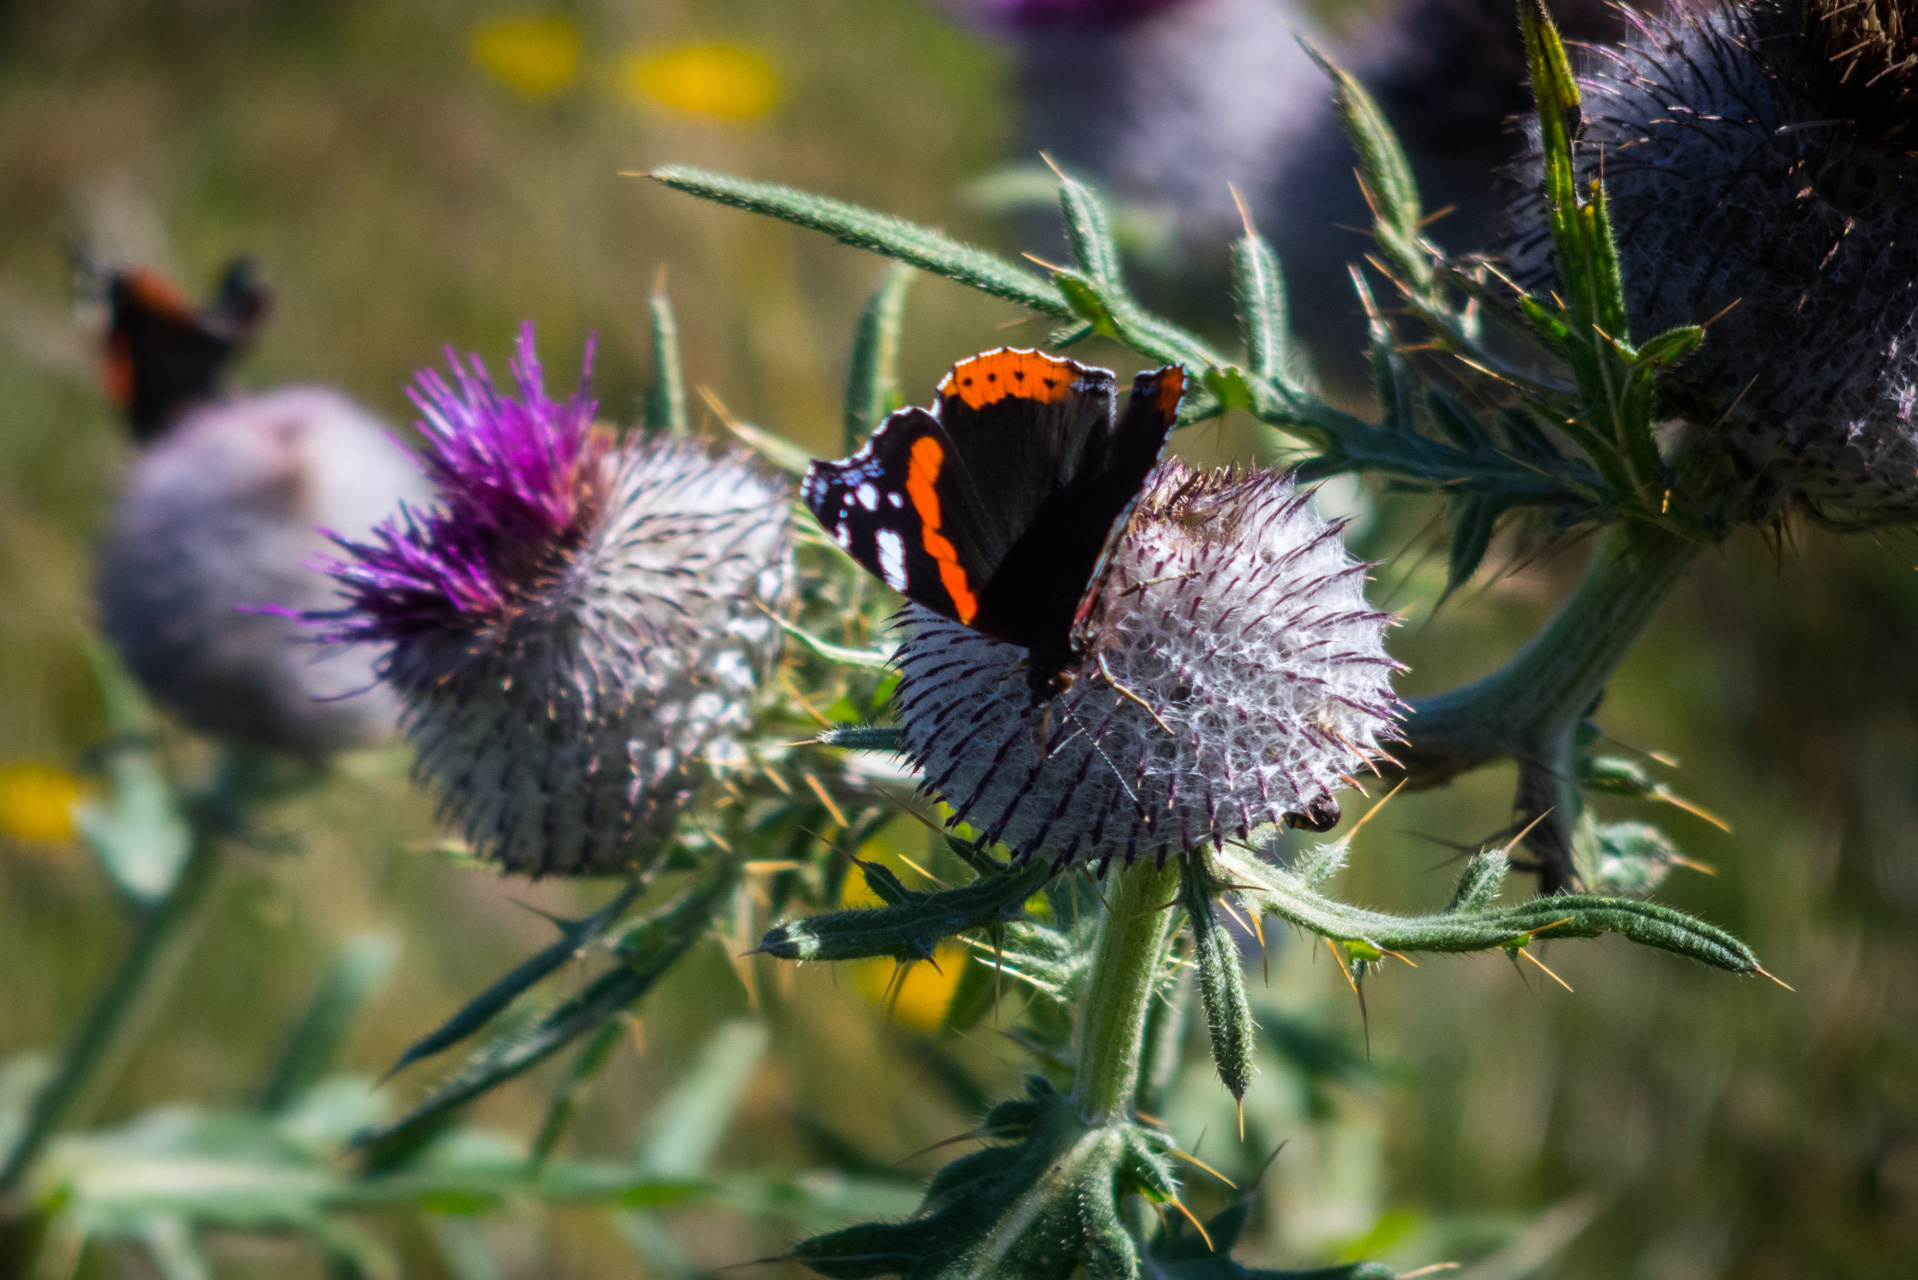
(843, 536)
(892, 559)
(868, 497)
(897, 499)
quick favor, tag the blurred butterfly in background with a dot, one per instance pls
(163, 353)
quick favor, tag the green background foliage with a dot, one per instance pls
(1664, 1122)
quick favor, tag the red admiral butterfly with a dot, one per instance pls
(163, 353)
(999, 506)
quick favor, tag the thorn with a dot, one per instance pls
(819, 789)
(1775, 978)
(770, 867)
(971, 1135)
(1049, 266)
(1526, 831)
(1120, 689)
(1245, 214)
(1365, 1018)
(1434, 1269)
(1398, 956)
(1199, 1226)
(1192, 1159)
(936, 881)
(1375, 808)
(1533, 933)
(1097, 892)
(779, 1257)
(1697, 811)
(1157, 1123)
(1721, 315)
(1521, 951)
(1241, 1101)
(800, 698)
(559, 922)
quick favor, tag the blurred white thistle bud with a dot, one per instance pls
(1758, 158)
(221, 513)
(578, 628)
(1233, 677)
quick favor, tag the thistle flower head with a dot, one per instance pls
(578, 628)
(1757, 164)
(221, 514)
(1233, 674)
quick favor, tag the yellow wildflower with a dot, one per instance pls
(729, 81)
(533, 56)
(36, 803)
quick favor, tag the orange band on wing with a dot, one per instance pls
(928, 456)
(1028, 375)
(156, 293)
(1171, 390)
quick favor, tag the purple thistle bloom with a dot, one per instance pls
(578, 627)
(519, 483)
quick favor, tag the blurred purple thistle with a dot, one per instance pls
(1029, 15)
(519, 485)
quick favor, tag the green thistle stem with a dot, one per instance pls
(1125, 971)
(106, 1034)
(1529, 708)
(1551, 682)
(165, 934)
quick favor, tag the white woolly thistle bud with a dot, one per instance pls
(221, 514)
(578, 629)
(1232, 675)
(1757, 158)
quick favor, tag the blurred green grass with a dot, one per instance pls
(400, 200)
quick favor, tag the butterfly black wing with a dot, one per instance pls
(996, 507)
(935, 501)
(163, 355)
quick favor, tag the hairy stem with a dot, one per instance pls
(1125, 971)
(1529, 708)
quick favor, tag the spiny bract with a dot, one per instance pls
(1757, 161)
(579, 628)
(1233, 672)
